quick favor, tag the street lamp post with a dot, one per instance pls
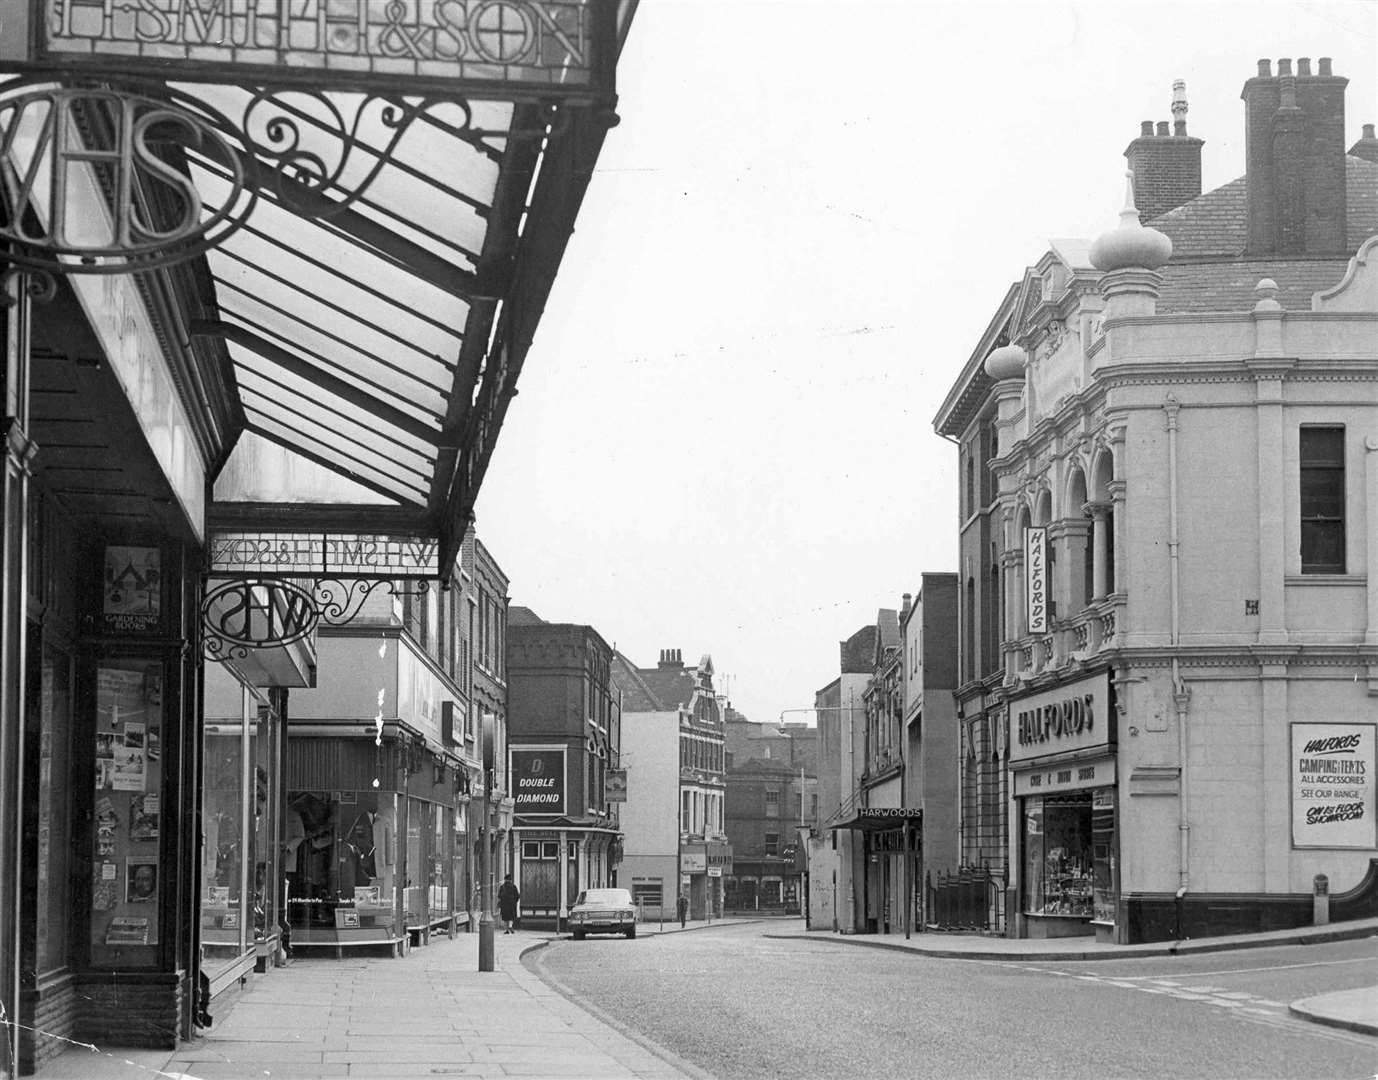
(485, 896)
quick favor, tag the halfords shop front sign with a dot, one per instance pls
(1074, 716)
(555, 47)
(538, 780)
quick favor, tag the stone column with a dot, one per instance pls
(1100, 585)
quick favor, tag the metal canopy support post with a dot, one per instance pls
(485, 917)
(14, 519)
(907, 878)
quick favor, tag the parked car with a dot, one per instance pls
(603, 911)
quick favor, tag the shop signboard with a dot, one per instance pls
(538, 780)
(1066, 776)
(1036, 579)
(323, 554)
(693, 862)
(615, 786)
(715, 871)
(1070, 717)
(1333, 793)
(506, 49)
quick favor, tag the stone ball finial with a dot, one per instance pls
(1130, 244)
(1006, 362)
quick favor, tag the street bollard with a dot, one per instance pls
(1320, 900)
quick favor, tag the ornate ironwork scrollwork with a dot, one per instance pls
(39, 284)
(340, 600)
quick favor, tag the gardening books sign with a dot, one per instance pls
(1332, 785)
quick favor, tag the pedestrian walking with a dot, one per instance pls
(507, 903)
(682, 909)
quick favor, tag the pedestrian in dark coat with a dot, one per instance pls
(507, 903)
(682, 908)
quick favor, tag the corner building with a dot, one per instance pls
(1179, 425)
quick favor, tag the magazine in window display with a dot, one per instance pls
(107, 822)
(127, 930)
(105, 745)
(141, 879)
(130, 770)
(154, 749)
(143, 816)
(132, 590)
(104, 886)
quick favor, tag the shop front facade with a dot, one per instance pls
(564, 764)
(381, 773)
(1062, 767)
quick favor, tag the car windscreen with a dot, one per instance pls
(605, 896)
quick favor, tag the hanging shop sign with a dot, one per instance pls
(510, 49)
(615, 786)
(1036, 579)
(538, 780)
(330, 555)
(253, 614)
(1073, 716)
(1333, 792)
(90, 163)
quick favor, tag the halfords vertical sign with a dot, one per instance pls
(560, 48)
(1036, 578)
(538, 780)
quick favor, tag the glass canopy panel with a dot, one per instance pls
(345, 432)
(279, 394)
(413, 157)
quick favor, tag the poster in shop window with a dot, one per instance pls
(1332, 785)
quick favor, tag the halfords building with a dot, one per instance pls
(270, 274)
(1169, 436)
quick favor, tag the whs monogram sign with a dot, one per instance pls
(247, 614)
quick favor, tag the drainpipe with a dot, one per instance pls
(1181, 695)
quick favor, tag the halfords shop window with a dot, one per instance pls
(1322, 454)
(1068, 855)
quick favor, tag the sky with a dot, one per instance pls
(723, 441)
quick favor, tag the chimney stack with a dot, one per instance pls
(1367, 147)
(1295, 160)
(671, 658)
(1166, 167)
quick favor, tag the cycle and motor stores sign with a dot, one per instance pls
(538, 780)
(559, 48)
(1333, 785)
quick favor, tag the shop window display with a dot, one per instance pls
(224, 911)
(125, 868)
(1058, 855)
(340, 862)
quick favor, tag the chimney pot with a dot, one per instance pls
(1145, 129)
(1284, 67)
(1179, 127)
(1303, 65)
(1162, 127)
(1368, 131)
(1265, 69)
(1324, 63)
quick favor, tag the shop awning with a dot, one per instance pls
(356, 338)
(878, 818)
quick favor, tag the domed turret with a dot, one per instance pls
(1006, 362)
(1130, 245)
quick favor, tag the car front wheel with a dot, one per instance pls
(631, 931)
(578, 935)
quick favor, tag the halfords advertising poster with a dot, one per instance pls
(538, 779)
(1332, 785)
